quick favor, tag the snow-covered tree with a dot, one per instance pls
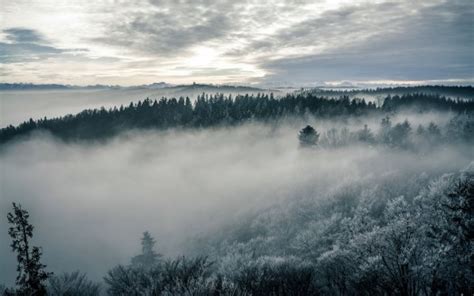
(446, 218)
(74, 283)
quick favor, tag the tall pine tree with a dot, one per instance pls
(31, 273)
(148, 258)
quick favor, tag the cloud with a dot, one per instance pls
(278, 40)
(28, 45)
(169, 27)
(389, 41)
(23, 35)
(23, 52)
(298, 41)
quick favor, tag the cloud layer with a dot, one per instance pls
(91, 202)
(294, 41)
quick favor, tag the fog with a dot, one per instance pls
(91, 202)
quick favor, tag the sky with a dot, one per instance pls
(280, 42)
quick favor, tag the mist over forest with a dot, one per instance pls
(237, 148)
(247, 194)
(24, 101)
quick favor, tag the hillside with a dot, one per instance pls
(215, 110)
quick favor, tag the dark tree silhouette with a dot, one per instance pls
(308, 136)
(217, 110)
(148, 258)
(31, 273)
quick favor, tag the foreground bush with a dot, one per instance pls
(74, 283)
(275, 277)
(181, 276)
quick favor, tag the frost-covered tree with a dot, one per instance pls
(187, 276)
(446, 218)
(275, 276)
(129, 280)
(181, 276)
(74, 283)
(399, 249)
(31, 272)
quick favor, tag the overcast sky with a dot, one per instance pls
(271, 42)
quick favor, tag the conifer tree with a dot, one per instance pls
(148, 258)
(31, 272)
(308, 136)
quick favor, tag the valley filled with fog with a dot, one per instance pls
(237, 148)
(245, 195)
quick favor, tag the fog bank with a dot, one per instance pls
(91, 202)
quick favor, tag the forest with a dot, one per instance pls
(336, 196)
(237, 148)
(451, 91)
(361, 242)
(215, 110)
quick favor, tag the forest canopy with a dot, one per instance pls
(218, 110)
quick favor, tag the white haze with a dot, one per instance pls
(91, 202)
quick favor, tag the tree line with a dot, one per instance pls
(452, 91)
(402, 135)
(216, 110)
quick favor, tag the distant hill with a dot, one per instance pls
(31, 86)
(465, 92)
(198, 86)
(157, 85)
